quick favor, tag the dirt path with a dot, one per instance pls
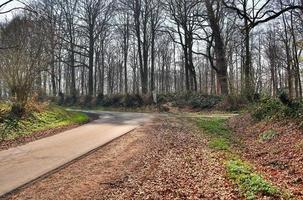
(161, 160)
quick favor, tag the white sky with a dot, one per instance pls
(9, 6)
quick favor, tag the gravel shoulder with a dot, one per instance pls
(164, 159)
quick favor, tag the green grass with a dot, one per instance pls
(250, 183)
(51, 117)
(214, 126)
(219, 144)
(217, 130)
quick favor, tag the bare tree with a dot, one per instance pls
(21, 65)
(95, 17)
(253, 15)
(183, 19)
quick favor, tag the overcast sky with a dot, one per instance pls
(9, 6)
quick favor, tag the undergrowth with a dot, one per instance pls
(250, 183)
(51, 117)
(178, 99)
(193, 100)
(218, 132)
(274, 109)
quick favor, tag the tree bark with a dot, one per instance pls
(221, 64)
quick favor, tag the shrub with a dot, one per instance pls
(163, 98)
(113, 100)
(132, 100)
(268, 108)
(35, 106)
(193, 100)
(205, 102)
(294, 109)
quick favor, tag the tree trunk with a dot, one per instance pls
(91, 64)
(221, 63)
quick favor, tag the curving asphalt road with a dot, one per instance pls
(23, 164)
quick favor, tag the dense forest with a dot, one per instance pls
(104, 47)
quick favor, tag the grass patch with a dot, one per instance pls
(219, 144)
(268, 135)
(215, 126)
(219, 133)
(51, 117)
(250, 183)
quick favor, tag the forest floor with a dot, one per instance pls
(173, 158)
(275, 148)
(161, 160)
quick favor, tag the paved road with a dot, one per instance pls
(23, 164)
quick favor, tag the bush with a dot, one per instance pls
(113, 100)
(204, 101)
(132, 100)
(293, 109)
(162, 98)
(270, 108)
(193, 100)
